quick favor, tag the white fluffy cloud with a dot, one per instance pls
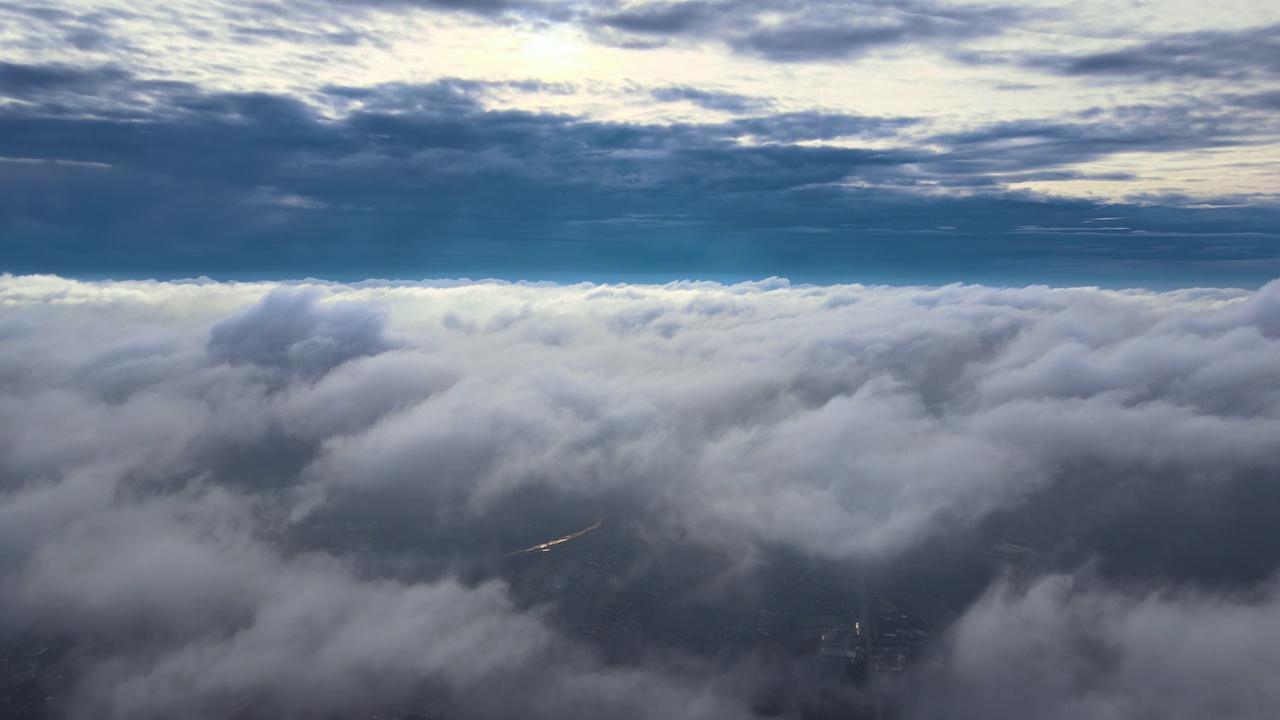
(159, 442)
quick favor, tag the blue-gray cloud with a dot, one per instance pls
(1237, 55)
(110, 171)
(90, 31)
(25, 82)
(1001, 150)
(476, 7)
(803, 31)
(666, 19)
(726, 102)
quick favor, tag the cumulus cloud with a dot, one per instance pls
(177, 460)
(289, 330)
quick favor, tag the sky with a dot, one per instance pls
(311, 312)
(1083, 143)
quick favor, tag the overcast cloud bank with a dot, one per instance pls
(164, 445)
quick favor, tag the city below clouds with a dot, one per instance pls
(293, 500)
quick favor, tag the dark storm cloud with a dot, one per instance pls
(719, 422)
(1206, 54)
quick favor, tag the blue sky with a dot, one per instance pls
(824, 141)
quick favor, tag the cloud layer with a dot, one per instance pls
(418, 179)
(170, 453)
(924, 141)
(1065, 648)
